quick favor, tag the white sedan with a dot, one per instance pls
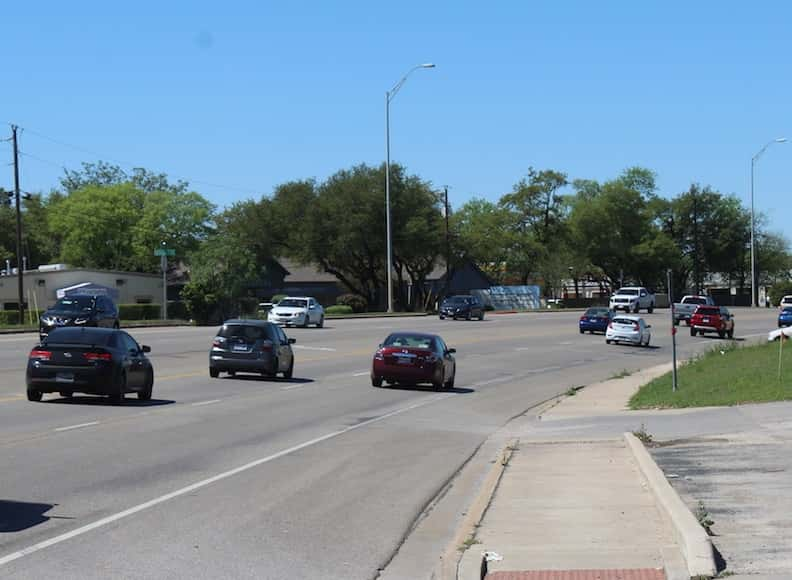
(297, 311)
(632, 329)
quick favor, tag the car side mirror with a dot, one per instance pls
(145, 348)
(292, 340)
(451, 351)
(648, 326)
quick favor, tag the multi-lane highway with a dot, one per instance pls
(320, 476)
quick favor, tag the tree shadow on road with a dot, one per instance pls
(16, 516)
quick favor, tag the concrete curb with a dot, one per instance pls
(471, 564)
(691, 538)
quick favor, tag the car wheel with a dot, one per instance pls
(650, 309)
(582, 331)
(646, 344)
(450, 383)
(213, 372)
(320, 324)
(731, 333)
(145, 394)
(231, 373)
(306, 320)
(118, 397)
(467, 316)
(481, 316)
(442, 317)
(275, 367)
(692, 331)
(376, 381)
(34, 395)
(722, 334)
(287, 374)
(607, 341)
(636, 310)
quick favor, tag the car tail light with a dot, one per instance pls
(266, 346)
(635, 326)
(94, 356)
(378, 355)
(218, 342)
(431, 359)
(40, 354)
(582, 318)
(610, 324)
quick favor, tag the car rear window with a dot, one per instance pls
(694, 300)
(410, 341)
(627, 292)
(597, 312)
(624, 321)
(246, 331)
(89, 336)
(708, 311)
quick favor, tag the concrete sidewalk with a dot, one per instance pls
(572, 507)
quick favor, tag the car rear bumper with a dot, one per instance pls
(700, 328)
(598, 326)
(624, 337)
(51, 379)
(404, 374)
(254, 365)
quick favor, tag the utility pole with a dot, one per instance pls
(447, 243)
(20, 266)
(673, 334)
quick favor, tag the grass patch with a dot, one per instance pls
(621, 374)
(724, 375)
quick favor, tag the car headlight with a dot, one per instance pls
(80, 320)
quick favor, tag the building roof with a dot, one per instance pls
(296, 272)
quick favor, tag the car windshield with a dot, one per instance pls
(246, 331)
(457, 299)
(294, 303)
(74, 304)
(787, 310)
(627, 292)
(410, 341)
(597, 312)
(707, 311)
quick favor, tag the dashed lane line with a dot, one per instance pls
(79, 426)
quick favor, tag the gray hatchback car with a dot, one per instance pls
(252, 346)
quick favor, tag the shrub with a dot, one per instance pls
(139, 311)
(277, 298)
(339, 309)
(178, 310)
(356, 302)
(11, 317)
(248, 306)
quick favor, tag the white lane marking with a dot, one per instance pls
(297, 386)
(206, 403)
(360, 374)
(544, 369)
(493, 381)
(70, 427)
(205, 482)
(304, 347)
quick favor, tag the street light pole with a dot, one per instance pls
(389, 95)
(754, 280)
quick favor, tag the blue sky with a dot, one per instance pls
(247, 95)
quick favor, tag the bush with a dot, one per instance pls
(356, 302)
(339, 309)
(778, 291)
(178, 310)
(139, 311)
(11, 317)
(277, 298)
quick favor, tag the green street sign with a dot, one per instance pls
(164, 252)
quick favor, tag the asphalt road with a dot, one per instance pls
(320, 476)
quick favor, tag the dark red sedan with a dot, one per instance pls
(413, 358)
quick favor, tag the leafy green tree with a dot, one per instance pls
(483, 234)
(103, 173)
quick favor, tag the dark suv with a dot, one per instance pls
(252, 346)
(466, 307)
(85, 310)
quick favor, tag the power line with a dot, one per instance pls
(134, 165)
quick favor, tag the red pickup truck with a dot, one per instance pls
(712, 319)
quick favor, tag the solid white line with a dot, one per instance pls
(297, 386)
(77, 426)
(205, 482)
(304, 347)
(206, 402)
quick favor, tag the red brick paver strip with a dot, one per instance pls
(627, 574)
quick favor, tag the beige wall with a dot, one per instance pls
(132, 287)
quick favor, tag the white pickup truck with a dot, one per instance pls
(685, 308)
(632, 299)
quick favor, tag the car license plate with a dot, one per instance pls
(404, 361)
(705, 320)
(64, 377)
(239, 348)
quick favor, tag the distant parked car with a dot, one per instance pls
(632, 299)
(297, 311)
(712, 319)
(595, 319)
(626, 328)
(99, 361)
(252, 346)
(464, 306)
(413, 358)
(785, 317)
(785, 301)
(79, 311)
